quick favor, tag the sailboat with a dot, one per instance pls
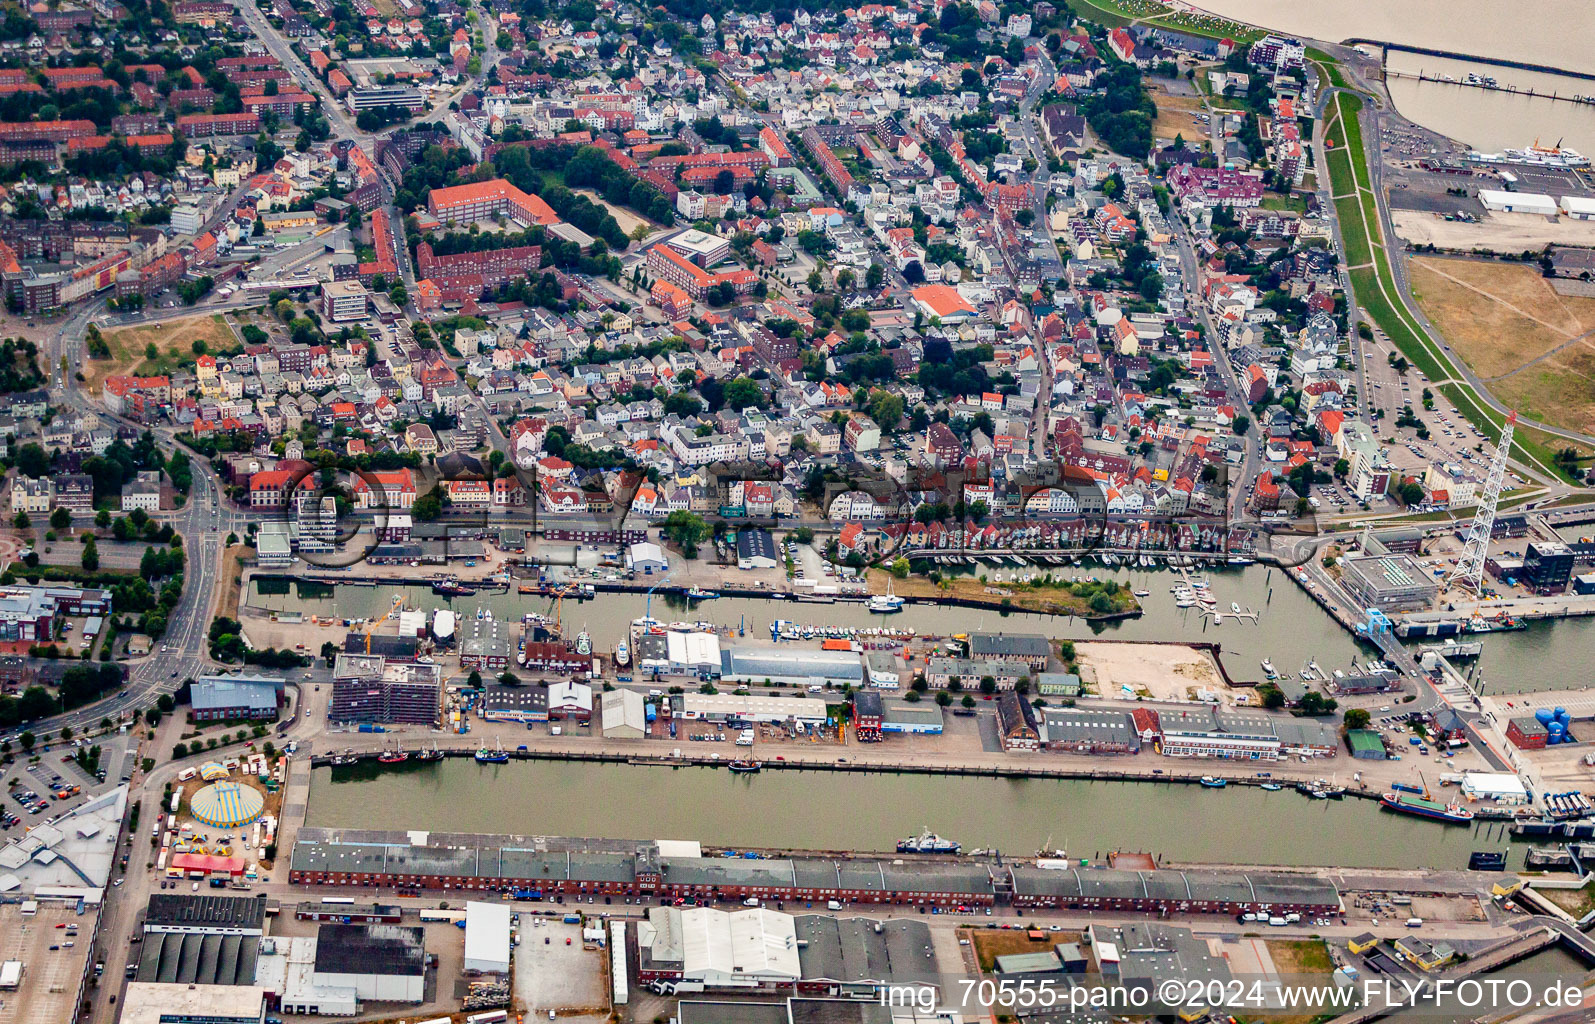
(885, 603)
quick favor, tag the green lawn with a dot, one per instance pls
(1355, 240)
(1358, 212)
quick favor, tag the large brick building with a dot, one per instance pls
(668, 265)
(484, 200)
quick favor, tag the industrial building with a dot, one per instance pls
(1143, 955)
(1033, 649)
(487, 938)
(1502, 787)
(1390, 583)
(921, 717)
(501, 703)
(1498, 201)
(160, 1003)
(742, 949)
(381, 963)
(756, 550)
(679, 652)
(748, 708)
(236, 698)
(401, 859)
(794, 667)
(193, 939)
(647, 558)
(1089, 731)
(623, 715)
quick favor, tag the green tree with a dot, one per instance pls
(91, 555)
(686, 530)
(61, 518)
(742, 393)
(1358, 718)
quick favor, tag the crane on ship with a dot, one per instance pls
(398, 602)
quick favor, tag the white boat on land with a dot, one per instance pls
(885, 603)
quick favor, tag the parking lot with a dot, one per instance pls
(35, 790)
(52, 970)
(554, 972)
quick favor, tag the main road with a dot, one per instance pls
(183, 650)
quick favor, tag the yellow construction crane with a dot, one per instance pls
(398, 602)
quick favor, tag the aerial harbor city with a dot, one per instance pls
(928, 512)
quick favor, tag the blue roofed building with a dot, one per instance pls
(232, 698)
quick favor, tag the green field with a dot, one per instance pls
(1357, 209)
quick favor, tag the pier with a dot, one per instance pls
(1500, 62)
(1424, 76)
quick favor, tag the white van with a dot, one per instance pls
(751, 901)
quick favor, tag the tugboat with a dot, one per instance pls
(449, 587)
(394, 756)
(885, 604)
(495, 756)
(927, 842)
(1214, 782)
(584, 642)
(745, 766)
(1406, 803)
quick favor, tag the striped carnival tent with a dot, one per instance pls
(227, 805)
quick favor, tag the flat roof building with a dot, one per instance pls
(791, 667)
(487, 938)
(1390, 583)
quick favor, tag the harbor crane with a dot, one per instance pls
(398, 602)
(1469, 571)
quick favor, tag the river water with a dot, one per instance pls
(1292, 629)
(1492, 120)
(851, 811)
(1550, 32)
(847, 811)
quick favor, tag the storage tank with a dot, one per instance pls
(1544, 716)
(1556, 732)
(1561, 713)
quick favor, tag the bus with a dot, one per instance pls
(344, 900)
(490, 1017)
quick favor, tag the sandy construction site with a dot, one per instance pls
(1497, 232)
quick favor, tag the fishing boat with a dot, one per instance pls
(497, 755)
(1272, 787)
(1406, 803)
(927, 842)
(343, 759)
(622, 654)
(394, 756)
(435, 754)
(745, 766)
(700, 594)
(1214, 782)
(885, 603)
(449, 588)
